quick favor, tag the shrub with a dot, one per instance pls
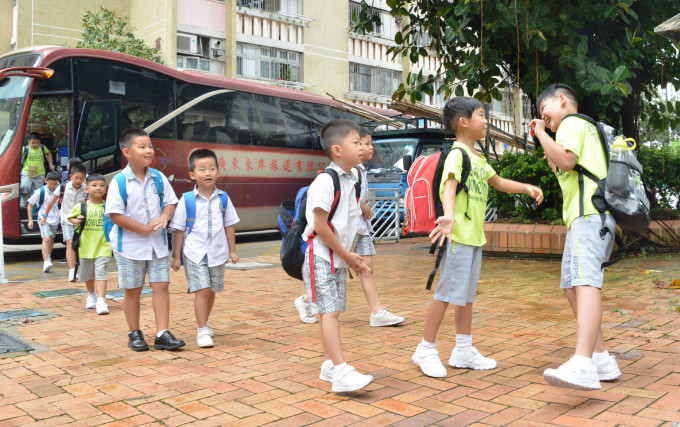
(661, 175)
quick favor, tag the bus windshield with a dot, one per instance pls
(388, 155)
(12, 96)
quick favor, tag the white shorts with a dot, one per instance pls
(67, 231)
(585, 251)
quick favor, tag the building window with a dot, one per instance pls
(285, 7)
(264, 63)
(388, 26)
(379, 81)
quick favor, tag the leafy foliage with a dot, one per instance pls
(533, 169)
(661, 176)
(605, 49)
(108, 31)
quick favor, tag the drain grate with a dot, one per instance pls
(12, 345)
(18, 314)
(58, 293)
(250, 265)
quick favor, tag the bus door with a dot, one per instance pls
(98, 135)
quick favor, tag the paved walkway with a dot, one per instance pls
(265, 365)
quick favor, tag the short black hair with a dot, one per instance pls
(34, 135)
(335, 131)
(201, 153)
(364, 132)
(95, 176)
(129, 135)
(72, 161)
(77, 167)
(555, 90)
(455, 108)
(53, 176)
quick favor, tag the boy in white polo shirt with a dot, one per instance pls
(206, 244)
(48, 222)
(139, 240)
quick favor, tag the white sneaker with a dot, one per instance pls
(91, 302)
(204, 340)
(429, 362)
(210, 331)
(572, 376)
(385, 318)
(608, 370)
(346, 378)
(471, 359)
(327, 369)
(72, 275)
(102, 307)
(304, 309)
(47, 266)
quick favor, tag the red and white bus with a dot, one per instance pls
(266, 137)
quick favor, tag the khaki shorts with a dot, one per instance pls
(93, 268)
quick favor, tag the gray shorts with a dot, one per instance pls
(330, 289)
(48, 230)
(93, 268)
(67, 231)
(459, 274)
(28, 185)
(363, 245)
(585, 251)
(200, 276)
(131, 272)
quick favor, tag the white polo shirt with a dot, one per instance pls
(143, 205)
(208, 230)
(364, 226)
(321, 195)
(53, 216)
(70, 199)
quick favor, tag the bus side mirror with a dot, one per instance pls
(407, 161)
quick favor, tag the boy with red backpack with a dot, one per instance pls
(461, 265)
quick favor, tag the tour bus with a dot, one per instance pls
(80, 100)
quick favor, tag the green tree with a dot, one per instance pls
(605, 49)
(108, 31)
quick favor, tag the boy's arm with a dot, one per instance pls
(554, 152)
(510, 186)
(130, 224)
(49, 159)
(48, 207)
(356, 262)
(231, 240)
(177, 244)
(446, 222)
(29, 209)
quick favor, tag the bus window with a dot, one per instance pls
(98, 135)
(221, 119)
(60, 80)
(49, 116)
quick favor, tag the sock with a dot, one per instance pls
(71, 271)
(601, 357)
(101, 299)
(427, 344)
(158, 335)
(202, 331)
(92, 295)
(582, 362)
(207, 324)
(463, 341)
(339, 368)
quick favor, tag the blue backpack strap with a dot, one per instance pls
(41, 200)
(158, 181)
(190, 205)
(224, 203)
(122, 189)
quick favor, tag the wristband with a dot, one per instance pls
(44, 216)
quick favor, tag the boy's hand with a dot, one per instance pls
(443, 231)
(159, 223)
(78, 219)
(176, 264)
(366, 211)
(536, 126)
(234, 258)
(30, 224)
(535, 193)
(43, 221)
(357, 263)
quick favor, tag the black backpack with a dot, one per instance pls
(75, 242)
(24, 156)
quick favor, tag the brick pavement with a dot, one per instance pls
(265, 364)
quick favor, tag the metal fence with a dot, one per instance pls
(386, 213)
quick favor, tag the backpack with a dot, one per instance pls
(122, 189)
(292, 223)
(41, 200)
(423, 205)
(24, 156)
(622, 192)
(75, 241)
(190, 205)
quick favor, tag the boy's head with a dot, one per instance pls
(34, 139)
(77, 174)
(203, 168)
(460, 107)
(52, 180)
(554, 103)
(338, 134)
(96, 186)
(72, 161)
(137, 147)
(366, 141)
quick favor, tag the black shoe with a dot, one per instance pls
(167, 341)
(136, 341)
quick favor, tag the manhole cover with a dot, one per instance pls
(58, 293)
(12, 345)
(18, 314)
(250, 265)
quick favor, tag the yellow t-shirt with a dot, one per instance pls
(581, 138)
(468, 231)
(93, 244)
(35, 158)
